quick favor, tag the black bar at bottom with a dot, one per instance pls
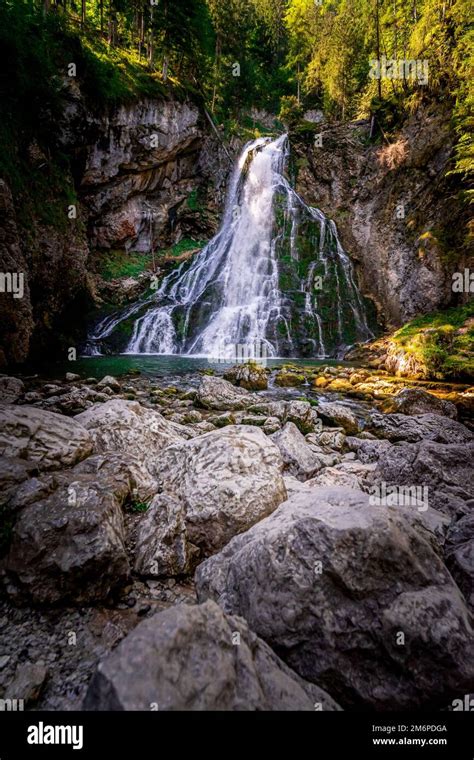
(124, 735)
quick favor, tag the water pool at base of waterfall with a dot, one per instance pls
(161, 365)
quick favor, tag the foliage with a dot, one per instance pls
(442, 341)
(115, 264)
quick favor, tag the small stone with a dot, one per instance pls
(71, 377)
(28, 682)
(109, 382)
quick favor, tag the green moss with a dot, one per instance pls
(115, 264)
(184, 245)
(138, 506)
(443, 341)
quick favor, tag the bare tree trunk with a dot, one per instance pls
(101, 8)
(83, 12)
(151, 42)
(377, 37)
(217, 64)
(46, 6)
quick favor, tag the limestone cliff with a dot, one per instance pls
(397, 210)
(132, 167)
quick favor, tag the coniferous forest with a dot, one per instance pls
(236, 346)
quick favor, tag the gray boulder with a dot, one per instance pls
(459, 554)
(197, 658)
(446, 470)
(298, 458)
(213, 487)
(417, 401)
(353, 597)
(340, 415)
(216, 393)
(47, 439)
(431, 427)
(250, 375)
(11, 388)
(129, 427)
(109, 382)
(68, 542)
(366, 450)
(300, 413)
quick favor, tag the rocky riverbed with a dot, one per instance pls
(296, 538)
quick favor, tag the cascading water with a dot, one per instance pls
(275, 275)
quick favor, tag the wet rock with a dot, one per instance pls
(198, 658)
(71, 377)
(339, 385)
(352, 595)
(288, 379)
(109, 382)
(45, 438)
(251, 376)
(213, 487)
(217, 393)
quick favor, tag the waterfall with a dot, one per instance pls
(245, 286)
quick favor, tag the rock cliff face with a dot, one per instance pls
(396, 212)
(137, 170)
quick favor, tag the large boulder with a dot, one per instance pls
(68, 542)
(298, 458)
(366, 450)
(353, 596)
(127, 426)
(431, 427)
(447, 471)
(47, 439)
(217, 393)
(213, 487)
(197, 658)
(459, 554)
(250, 375)
(417, 401)
(340, 415)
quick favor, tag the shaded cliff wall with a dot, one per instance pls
(129, 171)
(399, 214)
